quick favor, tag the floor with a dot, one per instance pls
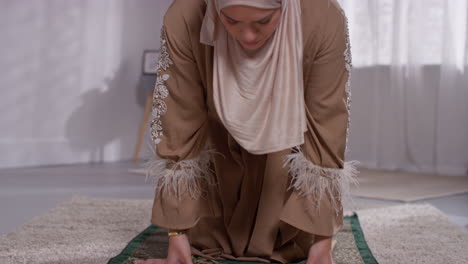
(29, 192)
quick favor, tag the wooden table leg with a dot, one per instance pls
(143, 127)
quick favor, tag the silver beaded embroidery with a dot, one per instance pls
(348, 65)
(160, 91)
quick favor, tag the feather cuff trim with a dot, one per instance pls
(183, 178)
(310, 179)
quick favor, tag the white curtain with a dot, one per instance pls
(409, 84)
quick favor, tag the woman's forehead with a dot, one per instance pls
(246, 13)
(266, 4)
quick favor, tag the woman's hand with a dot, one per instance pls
(321, 251)
(178, 252)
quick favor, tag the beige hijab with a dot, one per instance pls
(260, 98)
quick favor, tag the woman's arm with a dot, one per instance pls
(182, 167)
(320, 175)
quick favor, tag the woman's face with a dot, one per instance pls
(250, 26)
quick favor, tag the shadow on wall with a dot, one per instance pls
(107, 121)
(75, 95)
(95, 122)
(100, 120)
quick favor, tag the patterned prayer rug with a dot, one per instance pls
(350, 248)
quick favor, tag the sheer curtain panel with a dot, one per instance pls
(410, 84)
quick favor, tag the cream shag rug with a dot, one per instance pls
(91, 231)
(79, 231)
(407, 187)
(413, 234)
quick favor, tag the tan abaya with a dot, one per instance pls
(235, 204)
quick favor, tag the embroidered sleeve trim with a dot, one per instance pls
(348, 65)
(160, 91)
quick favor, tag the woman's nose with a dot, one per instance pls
(249, 34)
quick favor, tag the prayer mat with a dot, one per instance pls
(350, 247)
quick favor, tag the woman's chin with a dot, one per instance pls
(252, 47)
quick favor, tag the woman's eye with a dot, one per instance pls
(232, 22)
(264, 22)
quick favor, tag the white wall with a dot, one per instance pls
(69, 78)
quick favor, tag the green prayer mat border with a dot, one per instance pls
(361, 244)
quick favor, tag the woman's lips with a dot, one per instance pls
(250, 43)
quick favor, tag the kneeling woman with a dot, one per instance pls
(251, 117)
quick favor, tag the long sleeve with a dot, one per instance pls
(320, 175)
(181, 168)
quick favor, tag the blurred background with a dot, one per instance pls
(70, 78)
(70, 81)
(410, 84)
(73, 94)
